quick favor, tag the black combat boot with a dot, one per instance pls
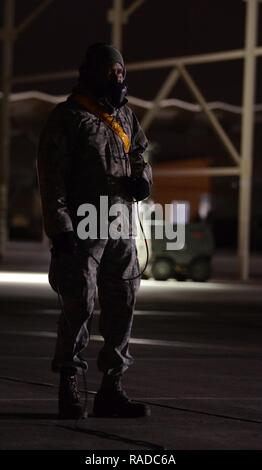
(69, 397)
(111, 400)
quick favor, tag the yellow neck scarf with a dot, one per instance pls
(109, 120)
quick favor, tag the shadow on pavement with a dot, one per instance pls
(112, 437)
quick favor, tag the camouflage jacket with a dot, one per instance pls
(77, 155)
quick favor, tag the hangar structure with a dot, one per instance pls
(118, 15)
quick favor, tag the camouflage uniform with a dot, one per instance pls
(77, 154)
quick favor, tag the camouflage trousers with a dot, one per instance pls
(102, 266)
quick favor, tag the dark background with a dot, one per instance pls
(58, 38)
(57, 41)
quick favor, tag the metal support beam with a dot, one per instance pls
(46, 77)
(163, 93)
(6, 78)
(247, 138)
(133, 7)
(119, 16)
(155, 64)
(211, 116)
(222, 56)
(35, 13)
(215, 171)
(117, 23)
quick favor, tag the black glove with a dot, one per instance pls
(138, 188)
(137, 165)
(129, 187)
(64, 242)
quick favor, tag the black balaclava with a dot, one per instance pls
(93, 75)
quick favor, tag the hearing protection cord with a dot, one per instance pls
(141, 272)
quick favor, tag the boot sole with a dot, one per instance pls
(100, 414)
(73, 415)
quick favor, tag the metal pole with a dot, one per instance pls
(117, 24)
(7, 66)
(245, 184)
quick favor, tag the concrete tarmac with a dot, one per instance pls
(198, 354)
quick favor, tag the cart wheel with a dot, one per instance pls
(200, 270)
(162, 269)
(181, 277)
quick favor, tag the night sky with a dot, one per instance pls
(57, 40)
